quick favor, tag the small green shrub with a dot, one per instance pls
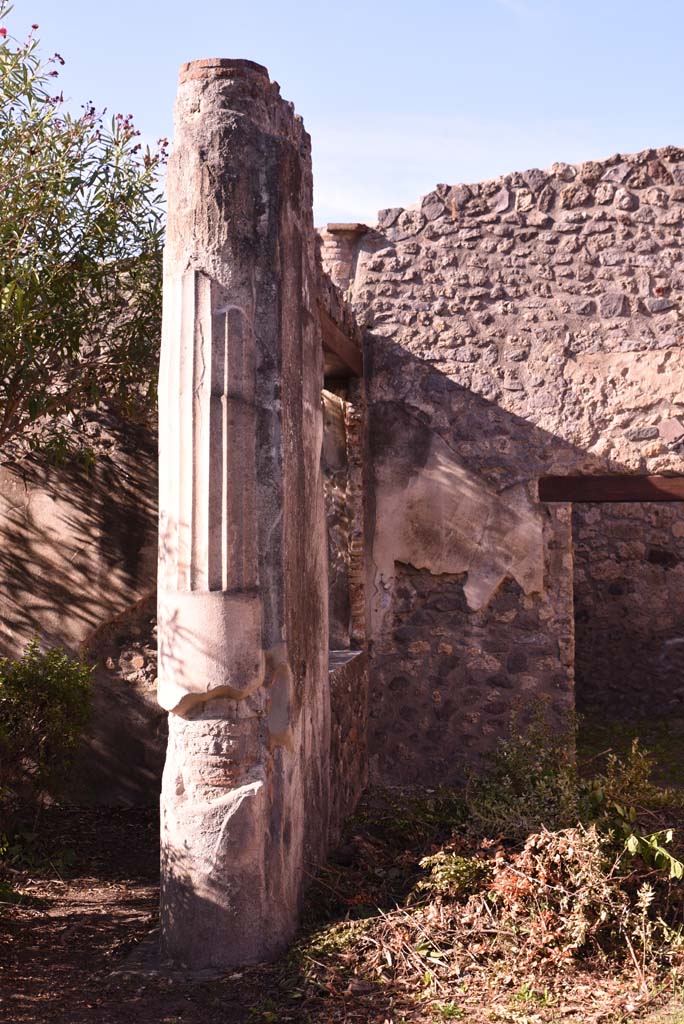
(44, 707)
(454, 877)
(616, 796)
(528, 781)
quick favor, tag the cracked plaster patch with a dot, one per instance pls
(447, 520)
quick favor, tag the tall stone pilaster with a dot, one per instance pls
(242, 571)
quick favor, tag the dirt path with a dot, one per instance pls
(64, 945)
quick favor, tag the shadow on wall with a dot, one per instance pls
(76, 548)
(471, 591)
(122, 756)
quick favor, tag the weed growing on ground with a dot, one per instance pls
(529, 780)
(453, 876)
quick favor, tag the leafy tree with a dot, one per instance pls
(81, 226)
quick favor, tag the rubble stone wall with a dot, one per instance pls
(348, 735)
(525, 326)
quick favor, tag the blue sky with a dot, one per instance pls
(397, 95)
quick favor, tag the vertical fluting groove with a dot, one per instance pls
(248, 491)
(168, 440)
(185, 430)
(217, 443)
(201, 434)
(238, 328)
(225, 439)
(240, 485)
(234, 527)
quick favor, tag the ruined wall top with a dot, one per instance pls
(575, 186)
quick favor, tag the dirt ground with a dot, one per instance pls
(74, 935)
(65, 945)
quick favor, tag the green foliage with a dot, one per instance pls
(652, 851)
(615, 794)
(80, 252)
(586, 829)
(527, 994)
(618, 798)
(404, 817)
(530, 780)
(44, 707)
(26, 851)
(450, 1011)
(62, 445)
(453, 876)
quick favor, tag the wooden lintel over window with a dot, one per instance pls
(611, 488)
(342, 357)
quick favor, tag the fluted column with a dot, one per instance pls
(242, 569)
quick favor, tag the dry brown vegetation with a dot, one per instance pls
(418, 916)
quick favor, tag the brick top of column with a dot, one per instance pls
(215, 85)
(220, 67)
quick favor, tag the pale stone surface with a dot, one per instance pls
(242, 576)
(445, 519)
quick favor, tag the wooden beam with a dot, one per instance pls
(346, 354)
(611, 488)
(347, 229)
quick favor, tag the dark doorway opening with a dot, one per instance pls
(628, 552)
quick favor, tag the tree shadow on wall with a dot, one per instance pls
(76, 547)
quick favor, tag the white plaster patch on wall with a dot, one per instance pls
(447, 520)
